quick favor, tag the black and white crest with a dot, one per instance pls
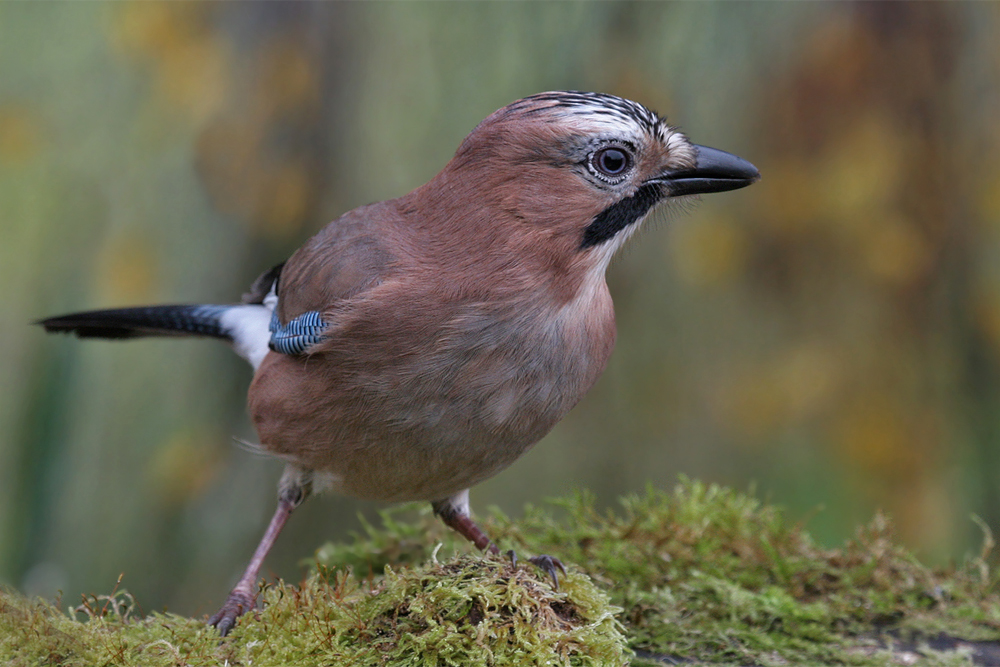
(597, 107)
(601, 104)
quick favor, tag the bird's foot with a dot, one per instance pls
(549, 565)
(238, 603)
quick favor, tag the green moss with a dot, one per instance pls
(469, 611)
(709, 574)
(702, 574)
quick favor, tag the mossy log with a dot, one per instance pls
(700, 575)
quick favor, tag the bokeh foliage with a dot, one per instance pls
(830, 334)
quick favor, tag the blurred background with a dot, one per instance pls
(829, 336)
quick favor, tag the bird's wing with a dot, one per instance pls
(343, 260)
(264, 285)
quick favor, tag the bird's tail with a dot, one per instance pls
(141, 321)
(245, 326)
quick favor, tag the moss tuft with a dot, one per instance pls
(709, 574)
(701, 574)
(468, 611)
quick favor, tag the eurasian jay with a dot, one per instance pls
(418, 346)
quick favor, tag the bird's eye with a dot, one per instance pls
(610, 163)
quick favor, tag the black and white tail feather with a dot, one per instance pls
(248, 326)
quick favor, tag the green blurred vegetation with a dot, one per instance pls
(831, 335)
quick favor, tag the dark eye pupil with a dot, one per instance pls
(611, 161)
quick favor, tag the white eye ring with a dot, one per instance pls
(610, 163)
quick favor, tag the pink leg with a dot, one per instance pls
(466, 527)
(241, 598)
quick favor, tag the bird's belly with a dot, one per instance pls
(433, 420)
(420, 442)
(430, 468)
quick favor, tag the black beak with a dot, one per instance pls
(715, 171)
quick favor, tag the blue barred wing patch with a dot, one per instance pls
(298, 335)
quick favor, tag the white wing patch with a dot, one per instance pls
(248, 327)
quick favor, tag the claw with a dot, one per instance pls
(549, 565)
(512, 555)
(237, 604)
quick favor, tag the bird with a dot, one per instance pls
(417, 346)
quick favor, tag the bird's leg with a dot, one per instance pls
(455, 514)
(294, 487)
(242, 597)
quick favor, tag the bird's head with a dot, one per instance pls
(568, 176)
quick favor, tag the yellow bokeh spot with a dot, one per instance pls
(20, 134)
(790, 195)
(863, 171)
(709, 251)
(195, 78)
(289, 192)
(752, 408)
(924, 508)
(798, 384)
(184, 466)
(191, 61)
(809, 375)
(873, 435)
(274, 196)
(895, 251)
(289, 81)
(126, 270)
(154, 29)
(229, 155)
